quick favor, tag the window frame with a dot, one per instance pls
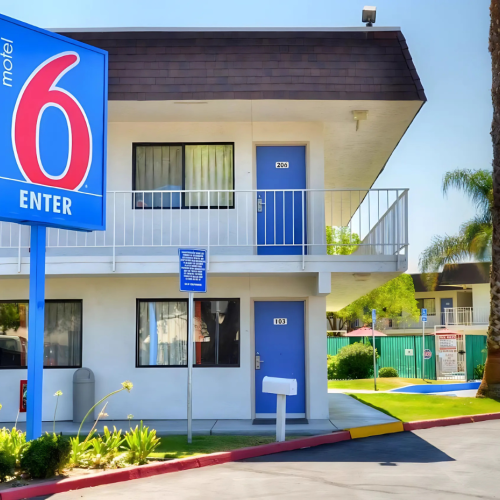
(183, 188)
(427, 298)
(138, 301)
(65, 301)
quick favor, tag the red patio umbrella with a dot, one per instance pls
(446, 331)
(365, 331)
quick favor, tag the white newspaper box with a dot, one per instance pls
(282, 387)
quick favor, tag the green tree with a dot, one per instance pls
(474, 238)
(9, 317)
(392, 300)
(340, 240)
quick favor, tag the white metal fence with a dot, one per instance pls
(466, 316)
(361, 222)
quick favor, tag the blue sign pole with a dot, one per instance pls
(424, 321)
(192, 278)
(374, 320)
(36, 325)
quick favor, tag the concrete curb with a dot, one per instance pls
(153, 469)
(443, 422)
(376, 430)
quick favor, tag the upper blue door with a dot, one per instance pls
(280, 214)
(281, 351)
(445, 304)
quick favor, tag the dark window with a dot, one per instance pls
(429, 304)
(217, 332)
(62, 337)
(162, 332)
(170, 168)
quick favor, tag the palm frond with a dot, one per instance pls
(476, 184)
(478, 233)
(444, 250)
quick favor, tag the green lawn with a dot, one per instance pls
(177, 447)
(383, 384)
(409, 407)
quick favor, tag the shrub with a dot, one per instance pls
(45, 456)
(478, 372)
(79, 450)
(13, 442)
(141, 442)
(7, 465)
(332, 367)
(354, 361)
(388, 371)
(105, 448)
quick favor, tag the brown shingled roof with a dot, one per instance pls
(469, 273)
(314, 65)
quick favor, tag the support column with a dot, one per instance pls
(36, 323)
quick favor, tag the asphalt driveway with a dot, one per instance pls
(456, 462)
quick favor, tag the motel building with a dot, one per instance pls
(260, 146)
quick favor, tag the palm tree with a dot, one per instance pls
(490, 386)
(474, 238)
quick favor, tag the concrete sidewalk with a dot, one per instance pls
(345, 413)
(200, 427)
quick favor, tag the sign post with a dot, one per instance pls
(193, 278)
(53, 123)
(374, 320)
(36, 320)
(424, 321)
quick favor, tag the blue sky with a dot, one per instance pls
(448, 40)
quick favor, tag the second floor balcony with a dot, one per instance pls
(307, 228)
(466, 316)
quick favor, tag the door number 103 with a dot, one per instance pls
(280, 321)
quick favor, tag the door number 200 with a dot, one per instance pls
(282, 164)
(280, 321)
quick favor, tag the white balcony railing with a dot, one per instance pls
(466, 316)
(242, 222)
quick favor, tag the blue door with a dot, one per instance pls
(281, 351)
(445, 303)
(280, 214)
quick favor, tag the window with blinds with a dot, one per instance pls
(429, 304)
(184, 175)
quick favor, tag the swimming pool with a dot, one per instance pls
(428, 388)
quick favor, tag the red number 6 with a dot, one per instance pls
(38, 93)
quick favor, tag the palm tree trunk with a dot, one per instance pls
(490, 386)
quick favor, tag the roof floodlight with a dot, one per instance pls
(369, 15)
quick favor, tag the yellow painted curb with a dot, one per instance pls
(376, 430)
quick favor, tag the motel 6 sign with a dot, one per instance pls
(53, 115)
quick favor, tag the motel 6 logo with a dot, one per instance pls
(39, 93)
(53, 121)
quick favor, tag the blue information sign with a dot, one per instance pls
(374, 316)
(193, 270)
(53, 122)
(423, 312)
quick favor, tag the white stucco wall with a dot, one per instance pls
(226, 227)
(481, 296)
(109, 349)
